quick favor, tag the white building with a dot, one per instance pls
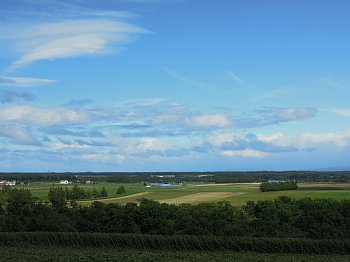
(7, 183)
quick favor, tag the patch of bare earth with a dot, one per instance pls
(231, 184)
(116, 199)
(200, 197)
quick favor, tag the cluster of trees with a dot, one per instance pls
(62, 194)
(121, 190)
(278, 186)
(282, 217)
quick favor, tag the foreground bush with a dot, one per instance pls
(201, 243)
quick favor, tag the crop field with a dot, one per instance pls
(62, 253)
(200, 197)
(235, 193)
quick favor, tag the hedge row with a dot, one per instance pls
(178, 242)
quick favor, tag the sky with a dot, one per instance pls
(174, 85)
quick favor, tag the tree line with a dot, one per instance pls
(277, 186)
(212, 177)
(60, 194)
(284, 216)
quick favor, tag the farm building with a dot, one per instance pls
(163, 176)
(7, 183)
(163, 184)
(275, 181)
(158, 185)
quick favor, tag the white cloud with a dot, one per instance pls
(68, 38)
(18, 134)
(120, 159)
(233, 76)
(245, 153)
(278, 92)
(97, 157)
(24, 81)
(62, 146)
(341, 111)
(209, 120)
(167, 118)
(274, 116)
(182, 78)
(41, 116)
(219, 138)
(146, 144)
(310, 140)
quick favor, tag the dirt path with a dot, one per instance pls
(115, 199)
(229, 184)
(213, 185)
(200, 197)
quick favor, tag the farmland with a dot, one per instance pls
(235, 193)
(63, 253)
(216, 223)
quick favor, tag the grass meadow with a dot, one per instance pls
(236, 193)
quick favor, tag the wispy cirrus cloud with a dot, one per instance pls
(8, 81)
(183, 78)
(68, 38)
(345, 112)
(234, 76)
(48, 30)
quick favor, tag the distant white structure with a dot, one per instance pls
(163, 176)
(64, 182)
(7, 183)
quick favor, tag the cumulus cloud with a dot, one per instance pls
(24, 81)
(11, 96)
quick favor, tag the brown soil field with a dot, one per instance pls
(116, 199)
(200, 197)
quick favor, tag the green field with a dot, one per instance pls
(200, 192)
(62, 253)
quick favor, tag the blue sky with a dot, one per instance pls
(174, 85)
